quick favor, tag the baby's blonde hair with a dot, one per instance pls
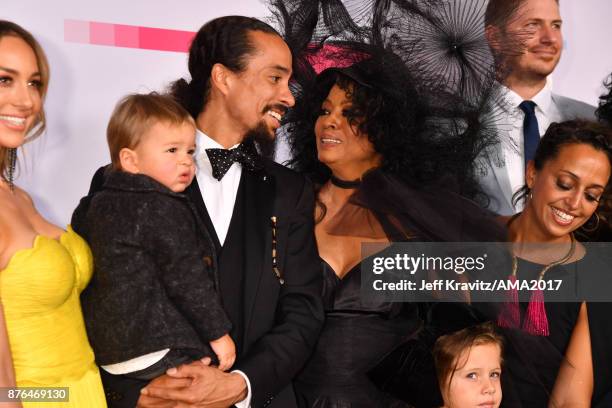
(135, 114)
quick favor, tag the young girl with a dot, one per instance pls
(468, 367)
(152, 303)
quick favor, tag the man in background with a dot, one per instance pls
(533, 28)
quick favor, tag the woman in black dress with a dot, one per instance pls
(366, 169)
(361, 135)
(390, 147)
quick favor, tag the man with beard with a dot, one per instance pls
(259, 214)
(534, 30)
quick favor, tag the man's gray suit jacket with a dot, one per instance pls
(493, 174)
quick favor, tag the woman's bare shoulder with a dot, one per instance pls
(23, 197)
(38, 222)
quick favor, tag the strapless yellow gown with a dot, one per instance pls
(40, 290)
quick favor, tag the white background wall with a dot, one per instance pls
(87, 80)
(587, 57)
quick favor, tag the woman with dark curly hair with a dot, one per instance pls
(389, 137)
(362, 136)
(390, 115)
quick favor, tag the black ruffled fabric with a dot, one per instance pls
(434, 213)
(428, 59)
(604, 112)
(435, 76)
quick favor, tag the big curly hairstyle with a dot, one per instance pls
(383, 117)
(421, 77)
(422, 137)
(604, 112)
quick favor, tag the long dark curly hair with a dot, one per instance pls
(383, 117)
(604, 112)
(422, 79)
(420, 140)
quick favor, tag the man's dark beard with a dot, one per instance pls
(264, 140)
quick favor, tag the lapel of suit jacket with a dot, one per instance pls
(502, 108)
(259, 196)
(502, 178)
(194, 194)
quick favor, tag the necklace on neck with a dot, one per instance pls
(348, 185)
(536, 321)
(560, 261)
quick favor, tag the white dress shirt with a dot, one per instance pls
(136, 364)
(501, 167)
(514, 151)
(219, 197)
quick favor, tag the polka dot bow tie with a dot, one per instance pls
(222, 159)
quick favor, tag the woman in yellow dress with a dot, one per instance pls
(43, 268)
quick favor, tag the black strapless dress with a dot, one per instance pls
(356, 335)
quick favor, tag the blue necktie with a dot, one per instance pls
(531, 132)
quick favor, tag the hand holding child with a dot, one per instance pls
(225, 350)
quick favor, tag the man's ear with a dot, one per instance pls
(129, 160)
(530, 174)
(220, 78)
(494, 37)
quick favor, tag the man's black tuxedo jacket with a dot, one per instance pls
(280, 324)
